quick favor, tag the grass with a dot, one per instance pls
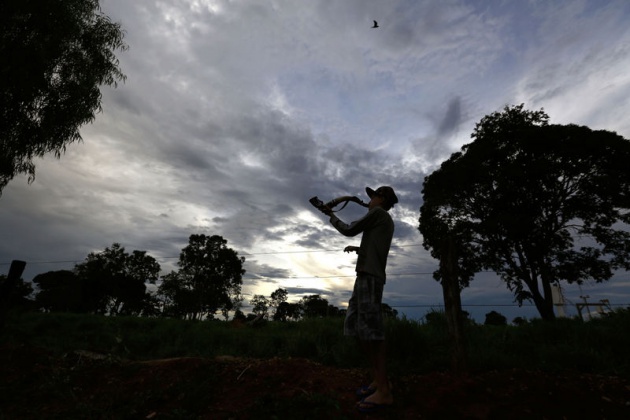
(597, 346)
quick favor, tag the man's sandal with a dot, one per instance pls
(365, 391)
(371, 407)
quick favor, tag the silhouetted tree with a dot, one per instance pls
(287, 311)
(114, 281)
(519, 321)
(239, 316)
(495, 318)
(277, 297)
(209, 279)
(175, 296)
(388, 311)
(536, 203)
(314, 306)
(61, 291)
(236, 304)
(333, 311)
(436, 318)
(151, 306)
(56, 55)
(260, 305)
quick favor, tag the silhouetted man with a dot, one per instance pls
(364, 317)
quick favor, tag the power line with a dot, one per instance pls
(464, 305)
(319, 250)
(256, 277)
(245, 255)
(260, 277)
(46, 262)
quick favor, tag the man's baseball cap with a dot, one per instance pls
(385, 192)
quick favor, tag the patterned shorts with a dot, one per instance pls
(363, 318)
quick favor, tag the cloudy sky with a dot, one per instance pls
(235, 113)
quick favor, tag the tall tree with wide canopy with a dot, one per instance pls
(277, 298)
(209, 279)
(61, 291)
(536, 203)
(55, 56)
(114, 281)
(286, 311)
(260, 305)
(314, 306)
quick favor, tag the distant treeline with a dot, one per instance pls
(208, 282)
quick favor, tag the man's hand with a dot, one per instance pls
(319, 205)
(326, 210)
(351, 248)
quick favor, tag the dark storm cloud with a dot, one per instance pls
(126, 102)
(263, 272)
(234, 114)
(303, 291)
(287, 150)
(452, 119)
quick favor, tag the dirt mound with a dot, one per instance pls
(35, 384)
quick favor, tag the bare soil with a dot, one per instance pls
(34, 384)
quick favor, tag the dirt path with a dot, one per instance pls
(34, 384)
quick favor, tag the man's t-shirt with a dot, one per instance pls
(378, 229)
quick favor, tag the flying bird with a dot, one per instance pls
(375, 25)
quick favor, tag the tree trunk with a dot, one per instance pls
(453, 304)
(8, 288)
(544, 304)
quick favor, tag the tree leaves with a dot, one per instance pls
(57, 54)
(209, 279)
(113, 281)
(537, 203)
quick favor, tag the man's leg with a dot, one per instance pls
(368, 351)
(377, 351)
(369, 295)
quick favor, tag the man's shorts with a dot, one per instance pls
(363, 317)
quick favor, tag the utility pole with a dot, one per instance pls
(8, 287)
(558, 300)
(588, 311)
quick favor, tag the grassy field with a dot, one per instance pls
(598, 346)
